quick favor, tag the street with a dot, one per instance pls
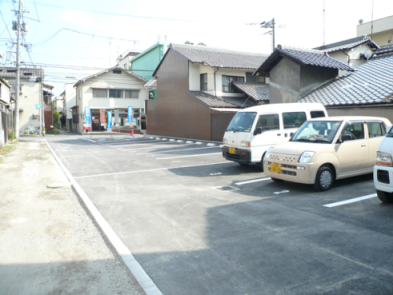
(198, 224)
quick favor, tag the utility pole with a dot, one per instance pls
(16, 118)
(270, 25)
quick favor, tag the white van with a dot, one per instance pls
(254, 130)
(383, 170)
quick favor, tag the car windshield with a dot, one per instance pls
(242, 122)
(317, 131)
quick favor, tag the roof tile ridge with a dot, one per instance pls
(305, 50)
(217, 49)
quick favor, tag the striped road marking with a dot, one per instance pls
(350, 201)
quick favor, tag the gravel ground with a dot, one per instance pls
(49, 244)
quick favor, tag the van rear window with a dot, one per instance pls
(317, 114)
(293, 120)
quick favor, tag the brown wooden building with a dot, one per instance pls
(199, 88)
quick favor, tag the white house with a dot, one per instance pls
(30, 94)
(68, 100)
(113, 89)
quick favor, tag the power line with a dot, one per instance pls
(6, 27)
(134, 16)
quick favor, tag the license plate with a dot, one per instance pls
(275, 168)
(232, 151)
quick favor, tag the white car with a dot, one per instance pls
(383, 170)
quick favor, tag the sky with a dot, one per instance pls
(73, 39)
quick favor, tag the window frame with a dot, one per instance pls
(121, 93)
(106, 89)
(230, 86)
(205, 83)
(381, 123)
(131, 90)
(355, 122)
(264, 128)
(298, 112)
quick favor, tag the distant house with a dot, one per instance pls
(295, 72)
(113, 89)
(5, 112)
(32, 92)
(199, 88)
(353, 52)
(69, 100)
(125, 62)
(368, 91)
(380, 30)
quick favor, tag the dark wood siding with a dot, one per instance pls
(220, 123)
(48, 117)
(175, 112)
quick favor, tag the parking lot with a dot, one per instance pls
(199, 224)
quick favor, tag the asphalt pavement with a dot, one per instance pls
(198, 224)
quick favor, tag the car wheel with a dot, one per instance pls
(324, 179)
(385, 197)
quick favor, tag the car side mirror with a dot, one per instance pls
(258, 130)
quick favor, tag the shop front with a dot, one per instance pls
(119, 118)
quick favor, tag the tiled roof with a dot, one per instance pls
(218, 57)
(348, 44)
(257, 91)
(302, 57)
(222, 102)
(10, 72)
(371, 83)
(384, 50)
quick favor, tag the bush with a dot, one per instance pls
(11, 135)
(56, 116)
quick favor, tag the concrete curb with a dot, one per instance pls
(145, 282)
(181, 139)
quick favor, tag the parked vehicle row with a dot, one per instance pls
(322, 150)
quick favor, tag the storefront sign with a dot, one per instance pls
(87, 124)
(130, 109)
(37, 106)
(116, 115)
(109, 129)
(102, 117)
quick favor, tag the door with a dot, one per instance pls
(376, 131)
(270, 136)
(353, 153)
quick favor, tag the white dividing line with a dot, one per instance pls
(150, 170)
(188, 156)
(251, 181)
(350, 201)
(178, 150)
(130, 262)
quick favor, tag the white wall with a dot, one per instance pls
(28, 98)
(109, 80)
(69, 98)
(5, 93)
(194, 78)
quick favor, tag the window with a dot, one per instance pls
(115, 93)
(242, 122)
(203, 82)
(268, 122)
(227, 83)
(376, 129)
(354, 129)
(125, 66)
(80, 94)
(131, 93)
(293, 120)
(116, 71)
(100, 92)
(317, 114)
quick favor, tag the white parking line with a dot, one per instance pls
(251, 181)
(150, 170)
(188, 156)
(179, 150)
(350, 201)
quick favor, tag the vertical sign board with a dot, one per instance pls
(102, 117)
(116, 115)
(87, 124)
(130, 121)
(109, 129)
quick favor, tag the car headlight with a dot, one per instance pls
(225, 141)
(306, 157)
(384, 159)
(267, 154)
(245, 143)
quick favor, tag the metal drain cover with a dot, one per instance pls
(227, 188)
